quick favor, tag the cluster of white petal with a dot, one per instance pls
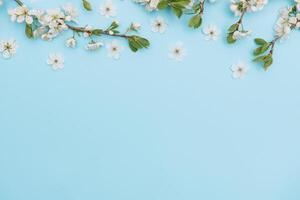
(289, 19)
(240, 33)
(50, 23)
(149, 4)
(240, 6)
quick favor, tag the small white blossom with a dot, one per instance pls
(114, 49)
(135, 26)
(149, 4)
(71, 12)
(8, 48)
(92, 46)
(153, 4)
(158, 25)
(241, 34)
(56, 61)
(211, 32)
(71, 42)
(239, 70)
(239, 6)
(20, 14)
(177, 52)
(108, 9)
(39, 14)
(88, 31)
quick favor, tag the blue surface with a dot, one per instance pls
(145, 127)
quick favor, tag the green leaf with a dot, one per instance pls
(177, 11)
(86, 4)
(268, 63)
(262, 49)
(259, 59)
(177, 6)
(260, 41)
(257, 51)
(136, 42)
(195, 21)
(267, 60)
(230, 39)
(29, 31)
(233, 28)
(97, 32)
(162, 4)
(113, 26)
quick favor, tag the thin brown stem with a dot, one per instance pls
(273, 42)
(84, 30)
(241, 17)
(202, 7)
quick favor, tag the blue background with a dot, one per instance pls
(146, 127)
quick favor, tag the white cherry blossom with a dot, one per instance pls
(20, 14)
(114, 49)
(8, 48)
(56, 61)
(239, 70)
(71, 42)
(92, 46)
(177, 51)
(211, 32)
(108, 9)
(158, 25)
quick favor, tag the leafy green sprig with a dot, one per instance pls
(135, 42)
(264, 51)
(237, 26)
(87, 5)
(179, 7)
(198, 10)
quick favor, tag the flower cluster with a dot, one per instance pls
(240, 7)
(289, 19)
(179, 7)
(51, 23)
(150, 5)
(45, 24)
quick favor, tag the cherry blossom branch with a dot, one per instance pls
(240, 8)
(106, 32)
(288, 20)
(236, 29)
(49, 25)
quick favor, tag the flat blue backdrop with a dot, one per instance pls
(145, 127)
